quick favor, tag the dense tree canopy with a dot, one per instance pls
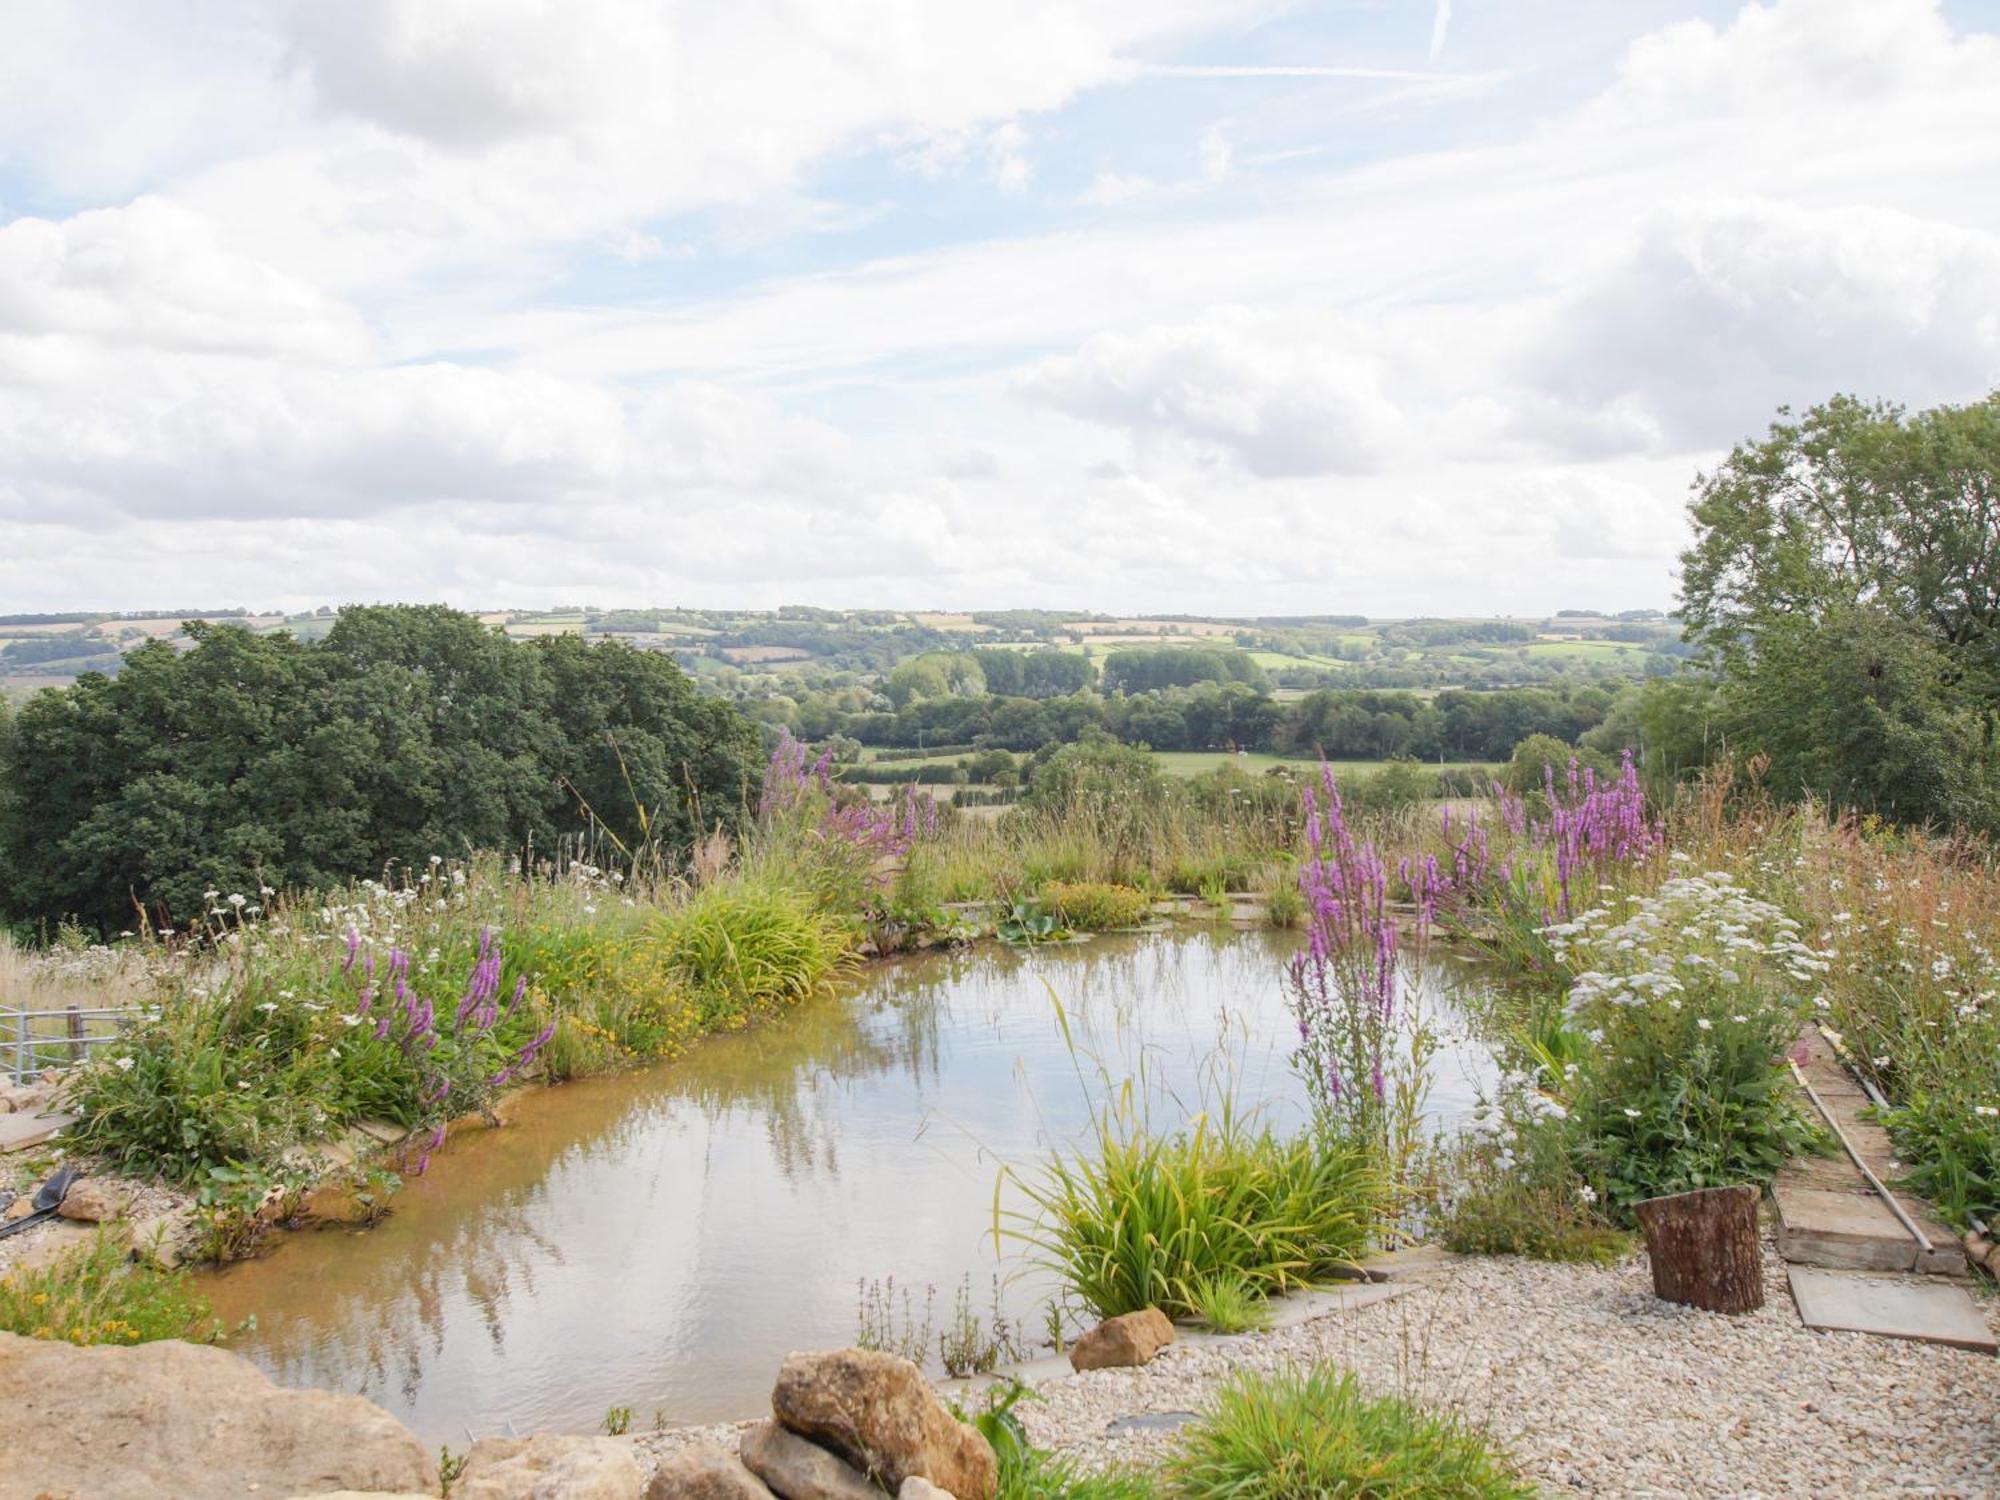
(1845, 579)
(255, 759)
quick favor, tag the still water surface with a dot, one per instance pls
(661, 1239)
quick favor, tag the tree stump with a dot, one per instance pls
(1704, 1248)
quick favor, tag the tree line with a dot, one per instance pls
(253, 761)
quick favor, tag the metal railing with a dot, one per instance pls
(63, 1039)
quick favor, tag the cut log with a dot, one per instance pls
(1704, 1248)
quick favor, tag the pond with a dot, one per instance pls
(660, 1239)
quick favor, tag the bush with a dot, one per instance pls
(1689, 1003)
(1146, 1220)
(93, 1295)
(1095, 906)
(1514, 1188)
(1312, 1434)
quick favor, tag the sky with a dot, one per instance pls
(1193, 306)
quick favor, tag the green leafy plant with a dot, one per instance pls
(617, 1421)
(1690, 999)
(1026, 922)
(1313, 1433)
(92, 1295)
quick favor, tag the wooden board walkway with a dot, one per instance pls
(1829, 1215)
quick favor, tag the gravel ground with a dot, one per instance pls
(1596, 1386)
(1599, 1388)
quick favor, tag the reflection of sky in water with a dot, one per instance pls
(661, 1239)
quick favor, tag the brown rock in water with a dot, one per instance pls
(879, 1413)
(530, 1468)
(705, 1471)
(89, 1201)
(1130, 1339)
(796, 1469)
(175, 1421)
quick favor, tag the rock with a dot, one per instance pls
(89, 1201)
(917, 1488)
(174, 1419)
(20, 1208)
(1978, 1248)
(879, 1413)
(367, 1495)
(1130, 1339)
(160, 1239)
(705, 1471)
(798, 1470)
(549, 1468)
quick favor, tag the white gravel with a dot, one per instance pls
(1596, 1387)
(1599, 1388)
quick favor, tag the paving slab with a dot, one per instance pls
(1151, 1421)
(1929, 1312)
(19, 1132)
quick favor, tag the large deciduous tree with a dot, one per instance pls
(1845, 580)
(406, 732)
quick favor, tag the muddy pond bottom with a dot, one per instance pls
(661, 1239)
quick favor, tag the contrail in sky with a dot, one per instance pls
(1440, 24)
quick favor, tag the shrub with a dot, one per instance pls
(92, 1295)
(1095, 906)
(1307, 1435)
(1145, 1219)
(1514, 1188)
(1689, 1001)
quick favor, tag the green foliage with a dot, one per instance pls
(1095, 906)
(1026, 922)
(257, 760)
(617, 1421)
(1030, 1473)
(92, 1295)
(1227, 1303)
(1844, 575)
(1145, 1220)
(1953, 1138)
(1689, 1000)
(1145, 669)
(1512, 1187)
(1315, 1434)
(744, 949)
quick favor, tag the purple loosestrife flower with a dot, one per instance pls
(353, 950)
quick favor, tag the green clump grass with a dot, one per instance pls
(745, 948)
(94, 1294)
(1146, 1219)
(1227, 1303)
(1314, 1434)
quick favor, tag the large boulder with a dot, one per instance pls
(915, 1488)
(1130, 1339)
(705, 1471)
(175, 1421)
(549, 1468)
(878, 1412)
(799, 1470)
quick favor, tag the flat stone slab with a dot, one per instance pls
(1151, 1421)
(1932, 1313)
(1848, 1231)
(19, 1132)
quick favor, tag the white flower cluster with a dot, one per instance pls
(1695, 931)
(1518, 1104)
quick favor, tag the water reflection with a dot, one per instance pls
(661, 1239)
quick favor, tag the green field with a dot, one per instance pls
(1195, 762)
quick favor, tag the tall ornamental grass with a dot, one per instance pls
(1149, 1219)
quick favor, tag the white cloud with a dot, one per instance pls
(1266, 392)
(1718, 312)
(408, 283)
